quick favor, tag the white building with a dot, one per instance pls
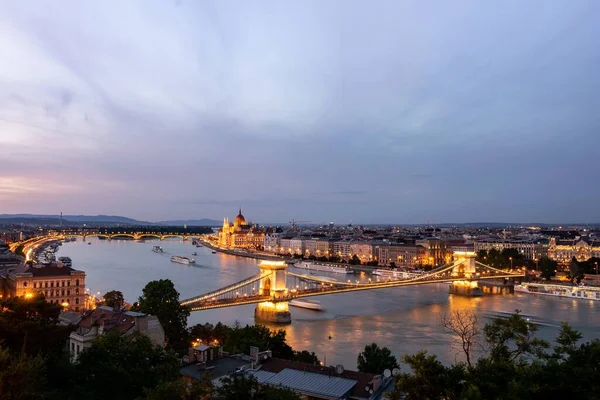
(272, 242)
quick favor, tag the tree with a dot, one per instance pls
(576, 271)
(375, 360)
(306, 357)
(114, 299)
(31, 326)
(512, 338)
(180, 389)
(131, 363)
(354, 260)
(430, 379)
(547, 267)
(464, 325)
(22, 378)
(160, 298)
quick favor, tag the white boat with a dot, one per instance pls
(194, 254)
(571, 292)
(183, 260)
(315, 266)
(157, 249)
(386, 273)
(310, 304)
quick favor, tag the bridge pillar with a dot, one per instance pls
(464, 267)
(272, 283)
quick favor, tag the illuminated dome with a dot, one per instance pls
(239, 220)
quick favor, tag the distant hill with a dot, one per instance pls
(191, 222)
(69, 219)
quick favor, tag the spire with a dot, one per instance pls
(240, 211)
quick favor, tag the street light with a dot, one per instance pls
(511, 262)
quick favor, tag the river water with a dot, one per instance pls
(404, 319)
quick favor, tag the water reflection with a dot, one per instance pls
(404, 319)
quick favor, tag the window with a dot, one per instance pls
(34, 285)
(77, 349)
(46, 284)
(77, 300)
(76, 282)
(68, 283)
(52, 284)
(72, 347)
(63, 283)
(24, 284)
(68, 292)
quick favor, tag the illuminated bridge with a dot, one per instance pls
(139, 235)
(273, 287)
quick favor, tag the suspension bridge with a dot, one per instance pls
(273, 287)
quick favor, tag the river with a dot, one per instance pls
(404, 319)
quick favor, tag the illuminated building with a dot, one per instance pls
(60, 284)
(582, 248)
(240, 234)
(405, 255)
(532, 250)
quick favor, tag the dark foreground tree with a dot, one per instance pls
(123, 367)
(375, 360)
(114, 299)
(21, 378)
(160, 298)
(463, 324)
(547, 267)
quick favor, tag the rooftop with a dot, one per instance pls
(308, 383)
(222, 367)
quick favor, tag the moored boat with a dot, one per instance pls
(157, 249)
(571, 292)
(315, 266)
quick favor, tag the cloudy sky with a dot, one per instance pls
(399, 111)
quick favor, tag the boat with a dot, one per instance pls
(66, 261)
(89, 242)
(183, 260)
(157, 249)
(309, 304)
(214, 252)
(194, 254)
(394, 274)
(572, 292)
(315, 266)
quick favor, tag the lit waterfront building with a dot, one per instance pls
(437, 251)
(59, 283)
(581, 247)
(272, 242)
(240, 234)
(364, 251)
(342, 249)
(406, 255)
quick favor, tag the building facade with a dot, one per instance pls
(272, 242)
(436, 251)
(60, 284)
(405, 255)
(240, 234)
(105, 319)
(582, 248)
(529, 249)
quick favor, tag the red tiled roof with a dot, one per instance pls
(49, 270)
(113, 320)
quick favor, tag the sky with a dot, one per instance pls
(344, 111)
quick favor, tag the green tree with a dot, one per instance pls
(22, 378)
(160, 298)
(375, 360)
(119, 366)
(306, 357)
(114, 299)
(547, 267)
(429, 379)
(354, 260)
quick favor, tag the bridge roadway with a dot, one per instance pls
(326, 287)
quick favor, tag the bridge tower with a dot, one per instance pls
(272, 283)
(464, 269)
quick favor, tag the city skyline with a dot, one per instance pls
(378, 113)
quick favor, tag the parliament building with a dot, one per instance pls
(240, 234)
